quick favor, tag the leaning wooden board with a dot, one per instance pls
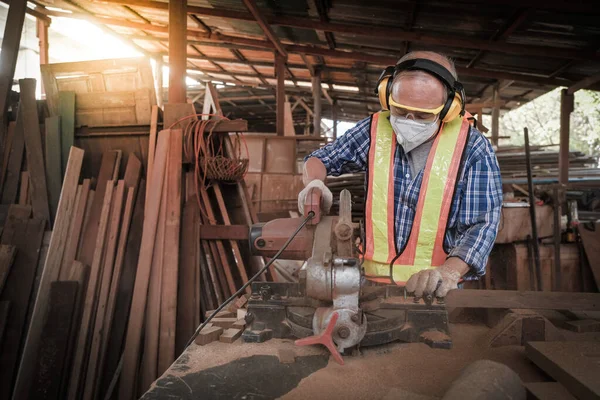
(51, 270)
(27, 237)
(77, 374)
(168, 304)
(127, 382)
(576, 365)
(51, 358)
(53, 162)
(35, 153)
(4, 310)
(7, 256)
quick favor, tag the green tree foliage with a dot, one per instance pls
(542, 117)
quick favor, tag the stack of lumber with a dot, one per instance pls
(355, 183)
(574, 366)
(103, 304)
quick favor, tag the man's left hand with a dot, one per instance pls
(437, 281)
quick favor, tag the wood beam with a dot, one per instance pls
(264, 25)
(280, 92)
(505, 31)
(334, 118)
(42, 35)
(323, 17)
(32, 12)
(584, 83)
(316, 90)
(177, 51)
(386, 32)
(566, 108)
(495, 116)
(10, 51)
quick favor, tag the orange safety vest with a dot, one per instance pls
(424, 248)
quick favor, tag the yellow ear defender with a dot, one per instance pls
(455, 103)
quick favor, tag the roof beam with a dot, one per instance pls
(383, 32)
(505, 31)
(264, 25)
(584, 83)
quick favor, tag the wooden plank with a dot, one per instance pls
(19, 212)
(576, 365)
(52, 353)
(187, 296)
(53, 162)
(168, 304)
(10, 51)
(225, 323)
(76, 226)
(524, 300)
(124, 290)
(86, 254)
(149, 369)
(80, 273)
(230, 335)
(219, 244)
(581, 326)
(7, 148)
(212, 273)
(115, 281)
(7, 257)
(78, 370)
(66, 111)
(110, 249)
(15, 162)
(547, 391)
(4, 313)
(208, 335)
(51, 270)
(24, 190)
(133, 173)
(27, 237)
(237, 254)
(591, 244)
(152, 144)
(127, 381)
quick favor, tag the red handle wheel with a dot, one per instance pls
(325, 338)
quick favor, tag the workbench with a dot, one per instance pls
(254, 370)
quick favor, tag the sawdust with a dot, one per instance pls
(371, 375)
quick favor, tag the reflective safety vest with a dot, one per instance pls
(424, 248)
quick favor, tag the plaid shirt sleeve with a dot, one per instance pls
(348, 153)
(480, 207)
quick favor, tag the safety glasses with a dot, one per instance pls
(418, 114)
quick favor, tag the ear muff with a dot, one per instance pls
(454, 108)
(384, 87)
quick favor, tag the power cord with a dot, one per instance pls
(234, 296)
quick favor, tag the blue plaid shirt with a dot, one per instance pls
(475, 211)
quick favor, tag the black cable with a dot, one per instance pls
(308, 217)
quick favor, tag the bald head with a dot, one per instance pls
(420, 89)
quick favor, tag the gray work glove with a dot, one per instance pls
(326, 196)
(426, 282)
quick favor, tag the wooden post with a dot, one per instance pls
(566, 108)
(316, 89)
(495, 117)
(10, 50)
(42, 34)
(159, 81)
(334, 117)
(177, 51)
(280, 93)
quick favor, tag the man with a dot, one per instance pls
(434, 191)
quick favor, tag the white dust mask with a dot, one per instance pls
(410, 134)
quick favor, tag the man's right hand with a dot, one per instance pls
(326, 196)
